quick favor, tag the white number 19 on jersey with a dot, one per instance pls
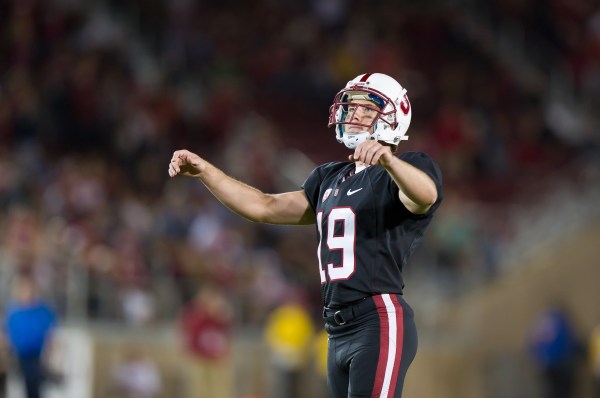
(344, 241)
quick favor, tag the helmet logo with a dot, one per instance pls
(405, 105)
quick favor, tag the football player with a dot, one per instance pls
(370, 214)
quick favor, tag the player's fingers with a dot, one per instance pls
(187, 157)
(181, 158)
(373, 157)
(376, 152)
(181, 154)
(173, 169)
(376, 156)
(362, 150)
(175, 158)
(357, 153)
(370, 149)
(382, 153)
(386, 157)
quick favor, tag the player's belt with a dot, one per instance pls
(341, 316)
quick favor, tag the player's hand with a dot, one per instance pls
(186, 163)
(372, 153)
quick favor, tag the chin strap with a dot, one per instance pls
(353, 140)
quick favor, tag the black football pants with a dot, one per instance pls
(369, 356)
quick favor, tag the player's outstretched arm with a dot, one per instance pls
(249, 202)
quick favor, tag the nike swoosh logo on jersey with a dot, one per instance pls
(351, 192)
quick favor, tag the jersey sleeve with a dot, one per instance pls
(426, 164)
(311, 186)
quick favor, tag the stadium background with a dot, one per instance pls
(95, 95)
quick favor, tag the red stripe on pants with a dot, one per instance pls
(390, 343)
(399, 342)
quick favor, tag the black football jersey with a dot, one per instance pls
(365, 234)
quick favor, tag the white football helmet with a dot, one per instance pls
(389, 101)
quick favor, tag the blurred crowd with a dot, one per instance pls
(95, 96)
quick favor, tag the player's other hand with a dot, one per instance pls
(186, 163)
(372, 153)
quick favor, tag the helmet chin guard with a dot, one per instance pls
(389, 101)
(353, 140)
